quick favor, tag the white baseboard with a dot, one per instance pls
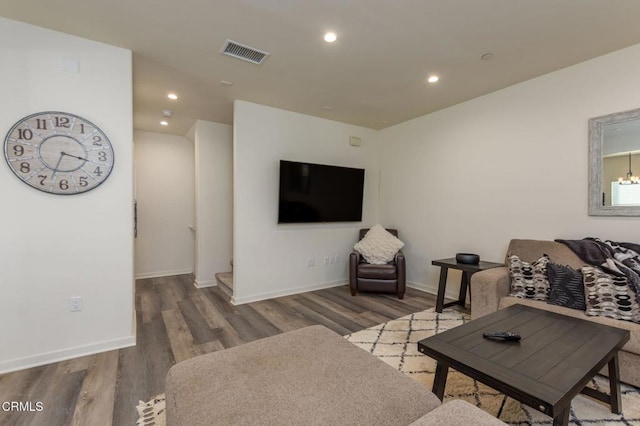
(203, 284)
(65, 354)
(158, 274)
(287, 292)
(422, 287)
(450, 293)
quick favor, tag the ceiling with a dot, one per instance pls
(374, 75)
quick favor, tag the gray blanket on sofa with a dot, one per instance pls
(612, 257)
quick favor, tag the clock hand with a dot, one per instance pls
(74, 156)
(55, 169)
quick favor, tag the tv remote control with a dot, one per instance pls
(501, 335)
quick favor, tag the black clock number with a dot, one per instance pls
(64, 184)
(25, 134)
(62, 122)
(41, 124)
(42, 179)
(18, 150)
(97, 171)
(102, 156)
(25, 167)
(97, 141)
(83, 181)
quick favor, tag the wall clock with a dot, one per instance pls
(59, 153)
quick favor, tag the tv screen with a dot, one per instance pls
(319, 193)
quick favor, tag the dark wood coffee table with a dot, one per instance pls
(554, 361)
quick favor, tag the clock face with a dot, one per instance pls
(59, 153)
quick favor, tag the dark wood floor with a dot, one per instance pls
(176, 321)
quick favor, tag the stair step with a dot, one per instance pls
(225, 282)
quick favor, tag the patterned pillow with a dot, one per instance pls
(529, 280)
(609, 295)
(566, 287)
(378, 246)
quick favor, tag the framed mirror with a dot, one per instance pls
(614, 164)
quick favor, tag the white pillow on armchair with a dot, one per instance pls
(378, 246)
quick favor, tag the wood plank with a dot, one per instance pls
(105, 388)
(150, 302)
(211, 315)
(181, 341)
(196, 323)
(97, 394)
(281, 316)
(206, 348)
(334, 316)
(362, 321)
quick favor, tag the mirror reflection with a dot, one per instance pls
(621, 163)
(614, 164)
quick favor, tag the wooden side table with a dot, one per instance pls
(467, 271)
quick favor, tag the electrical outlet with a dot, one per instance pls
(311, 262)
(75, 304)
(327, 260)
(335, 258)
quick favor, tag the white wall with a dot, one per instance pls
(55, 247)
(270, 260)
(165, 192)
(214, 200)
(511, 164)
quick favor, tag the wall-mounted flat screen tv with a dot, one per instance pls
(319, 193)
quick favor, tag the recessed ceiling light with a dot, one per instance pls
(164, 123)
(225, 83)
(486, 56)
(172, 96)
(330, 37)
(433, 78)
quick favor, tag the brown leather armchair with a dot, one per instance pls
(388, 278)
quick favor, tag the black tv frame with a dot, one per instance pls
(319, 193)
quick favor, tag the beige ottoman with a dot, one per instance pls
(455, 413)
(310, 376)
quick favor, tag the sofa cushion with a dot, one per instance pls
(529, 280)
(377, 272)
(378, 246)
(566, 287)
(531, 250)
(609, 295)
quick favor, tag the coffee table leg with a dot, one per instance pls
(614, 385)
(440, 379)
(442, 285)
(562, 419)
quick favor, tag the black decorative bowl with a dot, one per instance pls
(467, 258)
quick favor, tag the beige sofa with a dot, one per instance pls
(310, 376)
(490, 291)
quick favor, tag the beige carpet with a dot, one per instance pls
(395, 342)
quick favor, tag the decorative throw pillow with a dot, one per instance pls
(378, 246)
(609, 295)
(566, 287)
(529, 280)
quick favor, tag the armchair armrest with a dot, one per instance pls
(487, 287)
(354, 259)
(401, 269)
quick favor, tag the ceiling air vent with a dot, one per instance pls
(244, 52)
